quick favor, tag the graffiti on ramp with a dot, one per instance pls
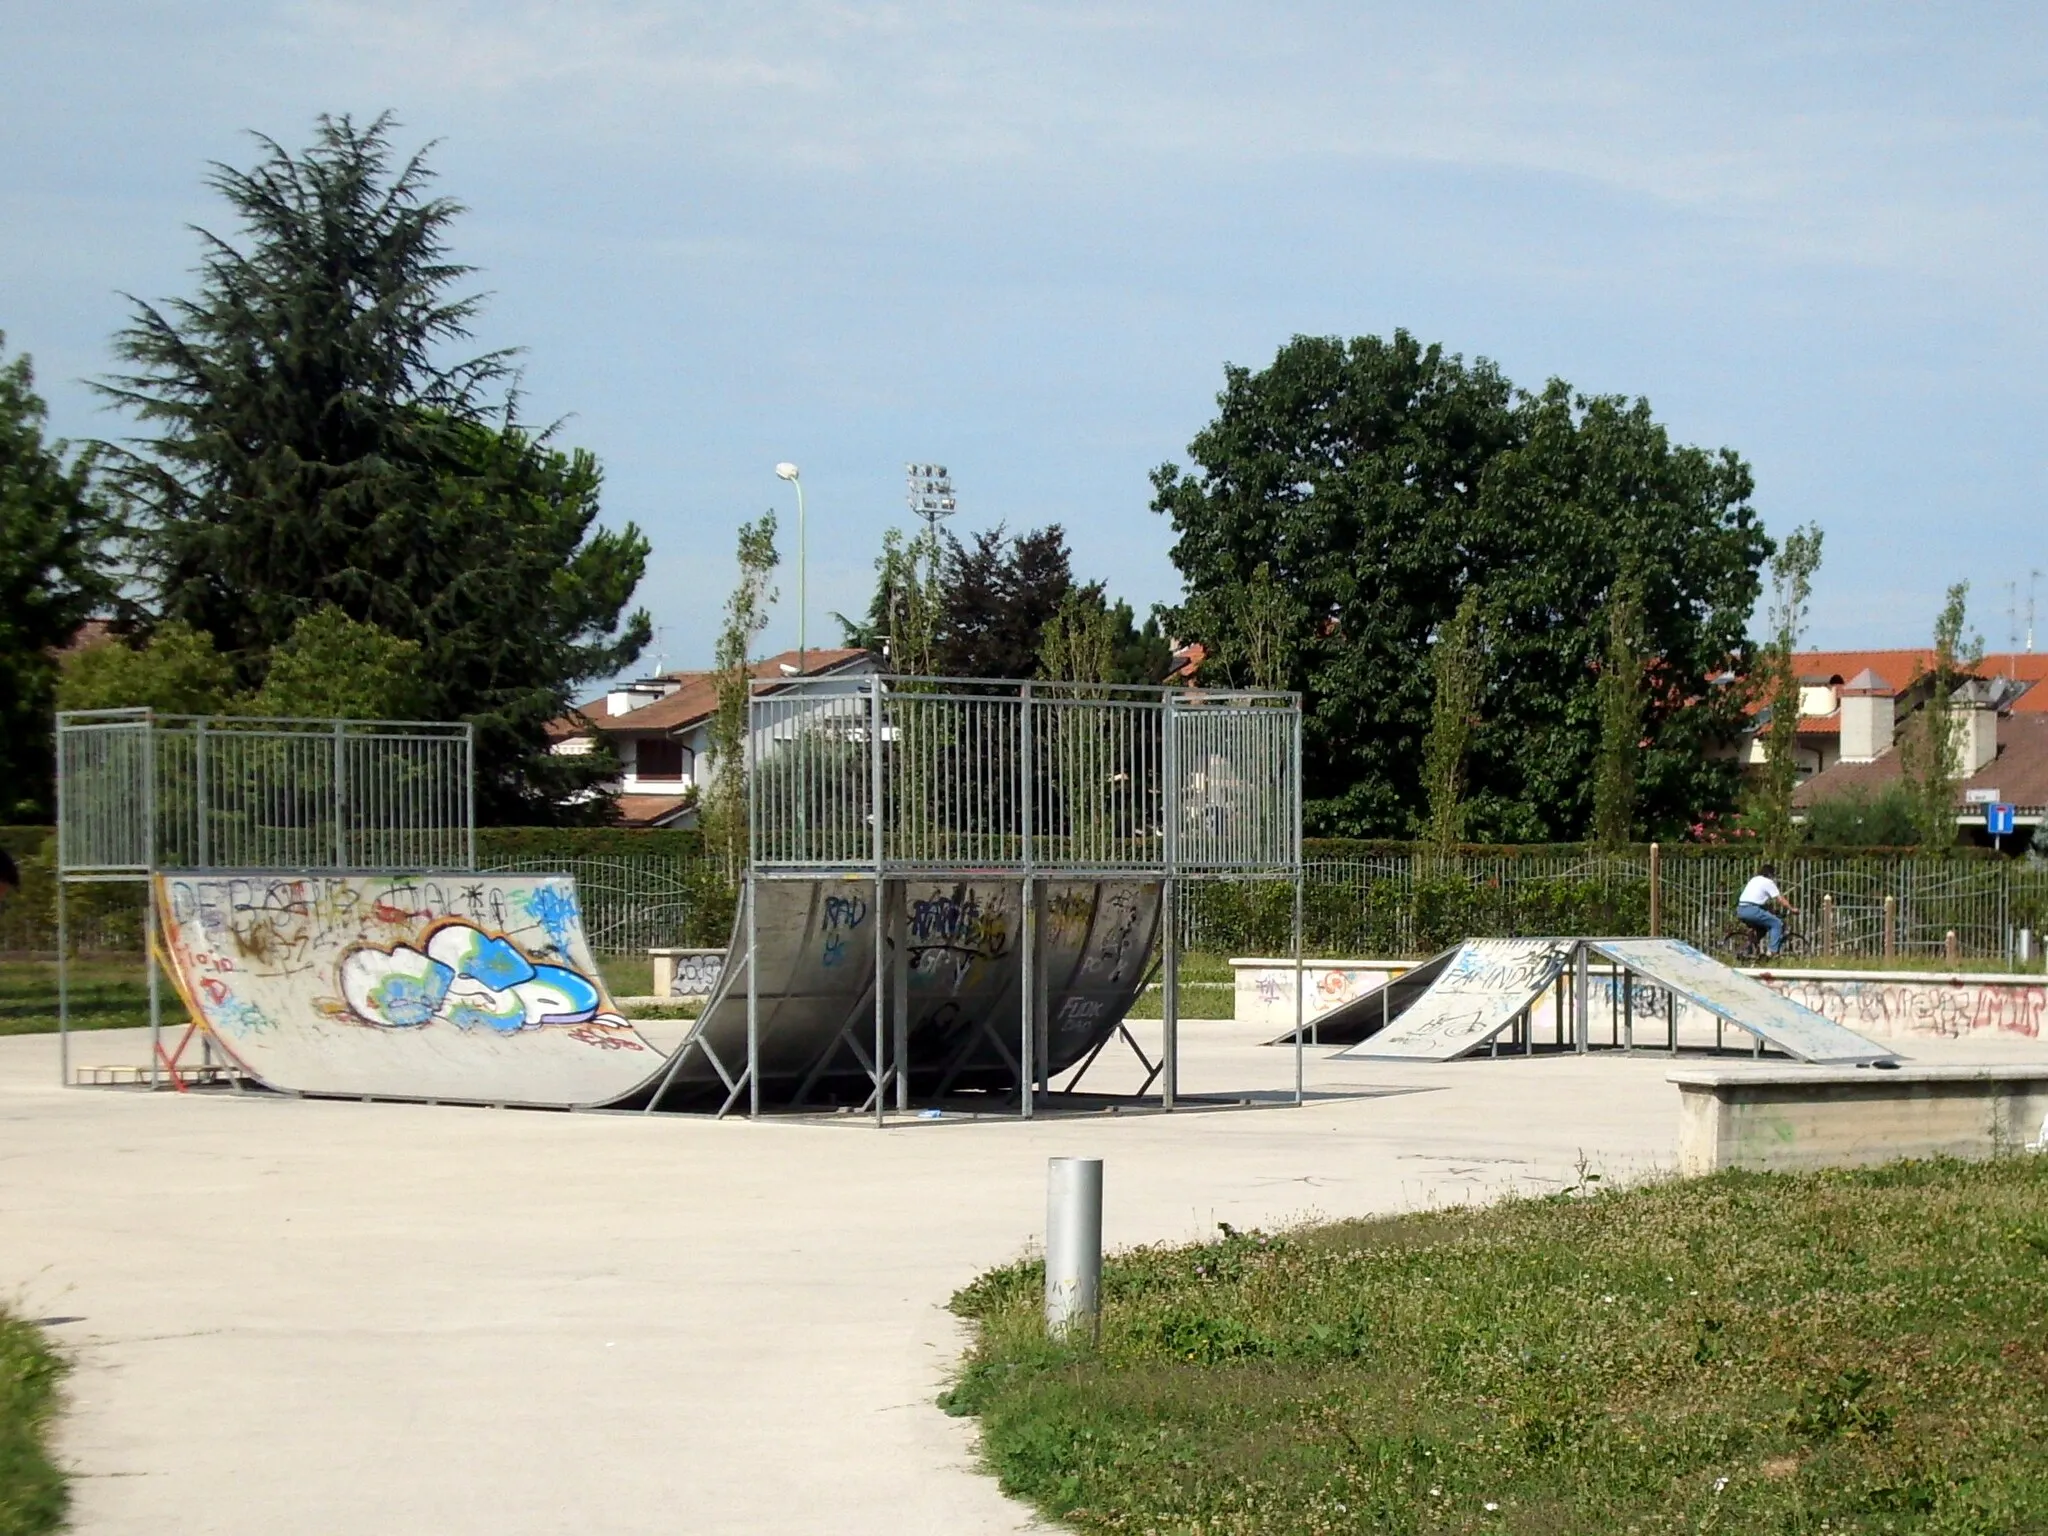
(472, 987)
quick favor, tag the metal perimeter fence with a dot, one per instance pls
(1393, 904)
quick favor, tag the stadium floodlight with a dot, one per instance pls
(931, 493)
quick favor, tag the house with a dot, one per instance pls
(1853, 709)
(660, 728)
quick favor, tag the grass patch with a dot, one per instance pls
(106, 993)
(1862, 1351)
(32, 1494)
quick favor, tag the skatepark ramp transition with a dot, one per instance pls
(482, 989)
(1487, 985)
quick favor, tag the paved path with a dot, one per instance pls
(342, 1318)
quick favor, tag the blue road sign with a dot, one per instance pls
(1998, 820)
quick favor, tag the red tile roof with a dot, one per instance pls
(652, 810)
(696, 699)
(2019, 772)
(1898, 669)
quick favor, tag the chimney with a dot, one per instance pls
(1976, 726)
(1866, 717)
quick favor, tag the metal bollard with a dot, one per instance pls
(1073, 1245)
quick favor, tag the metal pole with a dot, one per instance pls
(1656, 889)
(340, 798)
(199, 772)
(63, 965)
(880, 918)
(63, 941)
(1027, 1061)
(1300, 1059)
(753, 1001)
(1582, 1000)
(899, 987)
(156, 1016)
(469, 792)
(881, 1009)
(1169, 993)
(1073, 1246)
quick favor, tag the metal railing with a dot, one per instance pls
(902, 775)
(138, 791)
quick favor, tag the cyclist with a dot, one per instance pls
(1754, 905)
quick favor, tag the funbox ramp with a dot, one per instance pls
(962, 980)
(1703, 982)
(482, 988)
(1478, 992)
(1373, 1011)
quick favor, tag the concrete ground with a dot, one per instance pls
(337, 1318)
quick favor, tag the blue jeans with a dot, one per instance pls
(1773, 926)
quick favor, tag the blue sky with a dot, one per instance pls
(1024, 239)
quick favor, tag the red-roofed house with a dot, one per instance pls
(661, 729)
(1853, 705)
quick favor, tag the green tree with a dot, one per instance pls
(1621, 717)
(995, 599)
(313, 442)
(1931, 749)
(1858, 818)
(1792, 570)
(54, 528)
(331, 667)
(1378, 480)
(176, 671)
(1457, 684)
(724, 817)
(903, 619)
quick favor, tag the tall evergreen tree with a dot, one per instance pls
(1770, 810)
(1621, 718)
(314, 441)
(1931, 748)
(54, 528)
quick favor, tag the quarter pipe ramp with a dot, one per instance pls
(483, 989)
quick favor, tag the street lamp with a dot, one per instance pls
(789, 472)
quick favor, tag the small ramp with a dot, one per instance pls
(1483, 986)
(1707, 984)
(1373, 1011)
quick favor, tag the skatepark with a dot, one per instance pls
(293, 1310)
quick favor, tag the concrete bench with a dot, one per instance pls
(1835, 1117)
(686, 972)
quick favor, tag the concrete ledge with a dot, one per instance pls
(1834, 1117)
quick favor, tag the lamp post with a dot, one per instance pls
(789, 472)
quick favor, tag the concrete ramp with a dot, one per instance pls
(1483, 987)
(1717, 989)
(461, 988)
(962, 981)
(1376, 1010)
(482, 989)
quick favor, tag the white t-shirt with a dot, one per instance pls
(1760, 892)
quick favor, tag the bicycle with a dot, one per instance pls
(1744, 945)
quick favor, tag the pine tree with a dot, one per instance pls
(54, 528)
(1930, 753)
(314, 443)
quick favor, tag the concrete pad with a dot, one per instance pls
(337, 1318)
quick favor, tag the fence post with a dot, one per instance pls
(1891, 927)
(1827, 925)
(1656, 889)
